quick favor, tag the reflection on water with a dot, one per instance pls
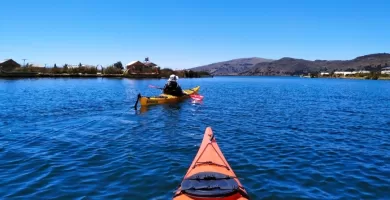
(143, 109)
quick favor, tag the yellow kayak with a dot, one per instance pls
(166, 98)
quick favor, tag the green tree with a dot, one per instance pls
(118, 65)
(112, 70)
(65, 68)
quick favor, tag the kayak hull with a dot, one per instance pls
(210, 161)
(166, 98)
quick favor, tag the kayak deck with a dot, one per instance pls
(210, 175)
(166, 98)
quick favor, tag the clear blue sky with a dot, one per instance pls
(183, 34)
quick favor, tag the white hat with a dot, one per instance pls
(173, 78)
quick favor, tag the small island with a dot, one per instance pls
(135, 69)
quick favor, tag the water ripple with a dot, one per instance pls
(286, 138)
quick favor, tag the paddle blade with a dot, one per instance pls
(196, 97)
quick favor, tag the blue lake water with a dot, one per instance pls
(285, 137)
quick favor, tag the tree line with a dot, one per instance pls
(116, 68)
(166, 72)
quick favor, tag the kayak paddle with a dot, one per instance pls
(136, 103)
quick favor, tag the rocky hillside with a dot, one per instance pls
(231, 67)
(292, 66)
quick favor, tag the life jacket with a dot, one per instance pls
(173, 88)
(172, 85)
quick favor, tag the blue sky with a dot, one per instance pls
(183, 34)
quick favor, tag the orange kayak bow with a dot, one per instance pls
(210, 176)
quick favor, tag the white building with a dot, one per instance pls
(385, 70)
(363, 72)
(344, 73)
(324, 73)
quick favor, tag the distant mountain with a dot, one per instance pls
(231, 67)
(292, 66)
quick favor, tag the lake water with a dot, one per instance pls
(285, 137)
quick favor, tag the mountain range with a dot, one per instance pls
(294, 66)
(231, 67)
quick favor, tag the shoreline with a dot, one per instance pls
(356, 78)
(324, 77)
(34, 75)
(45, 75)
(152, 76)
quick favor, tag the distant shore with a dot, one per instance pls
(49, 75)
(324, 77)
(150, 76)
(40, 75)
(352, 77)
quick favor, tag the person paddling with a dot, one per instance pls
(172, 87)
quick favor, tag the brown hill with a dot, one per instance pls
(292, 66)
(231, 67)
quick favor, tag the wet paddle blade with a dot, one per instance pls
(196, 97)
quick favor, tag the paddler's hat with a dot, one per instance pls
(173, 78)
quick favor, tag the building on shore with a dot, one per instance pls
(343, 73)
(150, 64)
(324, 74)
(347, 73)
(137, 67)
(8, 65)
(385, 70)
(78, 65)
